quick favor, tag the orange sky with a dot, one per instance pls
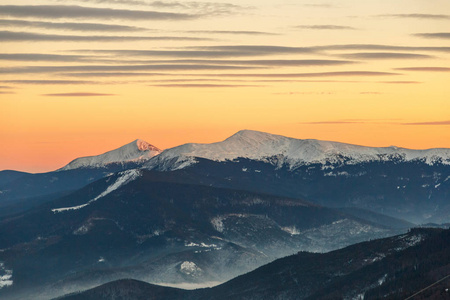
(81, 77)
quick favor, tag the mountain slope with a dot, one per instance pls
(390, 268)
(138, 150)
(10, 175)
(143, 225)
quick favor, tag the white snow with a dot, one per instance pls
(202, 245)
(124, 178)
(134, 151)
(382, 279)
(5, 276)
(409, 241)
(190, 268)
(260, 146)
(292, 230)
(217, 223)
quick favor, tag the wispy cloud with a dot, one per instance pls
(234, 32)
(201, 85)
(425, 69)
(81, 12)
(385, 55)
(112, 74)
(209, 51)
(418, 16)
(116, 68)
(41, 57)
(264, 62)
(434, 35)
(298, 75)
(12, 36)
(375, 47)
(201, 8)
(70, 26)
(400, 82)
(326, 27)
(77, 94)
(48, 82)
(259, 49)
(429, 123)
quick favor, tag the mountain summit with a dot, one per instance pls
(137, 150)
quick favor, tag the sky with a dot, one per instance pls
(82, 77)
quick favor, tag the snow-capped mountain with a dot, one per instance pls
(262, 146)
(135, 151)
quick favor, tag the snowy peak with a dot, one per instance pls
(137, 150)
(144, 146)
(289, 151)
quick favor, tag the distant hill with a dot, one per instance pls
(390, 268)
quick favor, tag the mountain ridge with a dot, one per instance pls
(293, 152)
(137, 150)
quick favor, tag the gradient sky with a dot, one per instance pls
(81, 77)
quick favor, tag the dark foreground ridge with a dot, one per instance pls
(391, 268)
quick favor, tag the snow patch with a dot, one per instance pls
(5, 276)
(124, 178)
(409, 241)
(382, 279)
(292, 230)
(202, 245)
(190, 268)
(217, 223)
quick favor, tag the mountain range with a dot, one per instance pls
(398, 267)
(202, 214)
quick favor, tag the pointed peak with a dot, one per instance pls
(144, 146)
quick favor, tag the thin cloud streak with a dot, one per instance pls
(237, 32)
(77, 94)
(380, 47)
(12, 36)
(49, 82)
(71, 26)
(188, 85)
(418, 16)
(82, 12)
(429, 123)
(259, 49)
(204, 8)
(434, 35)
(425, 69)
(385, 55)
(41, 57)
(262, 62)
(400, 82)
(294, 75)
(325, 27)
(162, 67)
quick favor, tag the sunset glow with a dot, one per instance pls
(82, 77)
